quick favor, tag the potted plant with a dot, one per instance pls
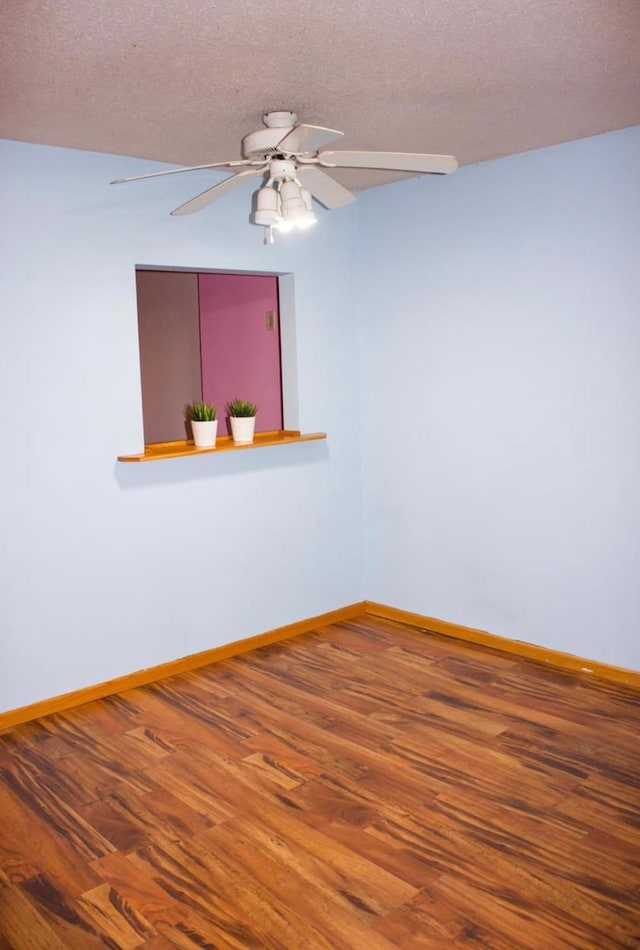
(242, 415)
(204, 424)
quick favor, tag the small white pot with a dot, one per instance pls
(204, 434)
(242, 429)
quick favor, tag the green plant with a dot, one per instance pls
(240, 409)
(202, 412)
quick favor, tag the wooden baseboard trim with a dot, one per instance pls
(566, 661)
(79, 697)
(555, 658)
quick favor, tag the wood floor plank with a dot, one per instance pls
(159, 705)
(365, 786)
(271, 748)
(28, 845)
(548, 847)
(141, 891)
(323, 862)
(22, 926)
(193, 932)
(113, 916)
(502, 919)
(400, 862)
(427, 922)
(239, 898)
(63, 914)
(160, 942)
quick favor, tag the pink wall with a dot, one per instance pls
(240, 355)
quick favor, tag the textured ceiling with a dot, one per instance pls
(184, 81)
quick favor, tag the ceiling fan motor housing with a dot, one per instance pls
(263, 143)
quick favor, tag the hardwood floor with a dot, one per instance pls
(365, 786)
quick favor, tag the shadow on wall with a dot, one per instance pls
(132, 475)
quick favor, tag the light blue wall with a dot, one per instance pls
(500, 423)
(500, 317)
(109, 568)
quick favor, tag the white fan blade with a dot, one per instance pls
(307, 138)
(396, 161)
(212, 194)
(328, 192)
(176, 171)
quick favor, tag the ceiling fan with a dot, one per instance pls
(291, 159)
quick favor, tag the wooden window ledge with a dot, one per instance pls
(224, 443)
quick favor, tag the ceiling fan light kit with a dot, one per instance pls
(284, 206)
(267, 211)
(291, 159)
